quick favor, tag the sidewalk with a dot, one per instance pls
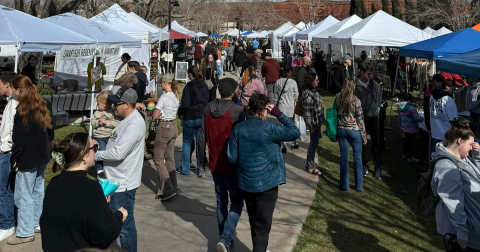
(187, 222)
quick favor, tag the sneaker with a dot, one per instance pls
(284, 150)
(378, 174)
(14, 240)
(193, 167)
(221, 247)
(166, 197)
(202, 175)
(295, 146)
(148, 156)
(413, 160)
(101, 175)
(37, 230)
(5, 233)
(365, 170)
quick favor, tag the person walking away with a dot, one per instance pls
(190, 51)
(258, 59)
(225, 42)
(32, 133)
(426, 98)
(208, 70)
(341, 73)
(221, 116)
(255, 44)
(30, 69)
(197, 55)
(284, 97)
(370, 94)
(123, 161)
(89, 222)
(103, 123)
(123, 68)
(253, 86)
(219, 61)
(350, 131)
(209, 48)
(455, 179)
(321, 68)
(192, 105)
(303, 71)
(314, 115)
(253, 146)
(271, 73)
(7, 204)
(235, 51)
(167, 132)
(239, 59)
(408, 120)
(382, 116)
(442, 110)
(229, 60)
(98, 83)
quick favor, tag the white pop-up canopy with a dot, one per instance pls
(429, 30)
(299, 27)
(231, 33)
(322, 37)
(88, 28)
(441, 31)
(157, 33)
(200, 34)
(321, 26)
(276, 40)
(256, 35)
(179, 28)
(379, 29)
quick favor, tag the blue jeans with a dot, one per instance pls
(29, 193)
(7, 206)
(128, 233)
(312, 147)
(226, 184)
(191, 129)
(102, 145)
(346, 137)
(220, 68)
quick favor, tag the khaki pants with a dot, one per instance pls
(164, 159)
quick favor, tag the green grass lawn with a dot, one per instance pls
(384, 217)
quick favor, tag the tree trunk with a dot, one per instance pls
(385, 7)
(374, 8)
(20, 5)
(396, 12)
(411, 13)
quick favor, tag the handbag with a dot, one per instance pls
(331, 122)
(283, 89)
(298, 106)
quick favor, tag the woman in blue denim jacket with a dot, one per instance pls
(255, 145)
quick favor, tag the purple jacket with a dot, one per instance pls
(408, 117)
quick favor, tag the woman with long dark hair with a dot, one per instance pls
(208, 68)
(30, 69)
(32, 133)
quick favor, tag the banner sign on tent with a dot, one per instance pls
(89, 51)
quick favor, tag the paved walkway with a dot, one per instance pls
(187, 222)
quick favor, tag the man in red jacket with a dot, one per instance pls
(221, 116)
(197, 55)
(271, 73)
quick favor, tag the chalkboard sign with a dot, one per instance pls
(181, 69)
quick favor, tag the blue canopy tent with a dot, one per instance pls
(466, 64)
(213, 35)
(247, 33)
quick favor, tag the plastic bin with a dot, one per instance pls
(60, 118)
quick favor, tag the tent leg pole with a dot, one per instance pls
(90, 129)
(16, 61)
(353, 57)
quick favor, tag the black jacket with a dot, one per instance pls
(338, 78)
(29, 71)
(240, 58)
(194, 99)
(140, 86)
(301, 74)
(76, 215)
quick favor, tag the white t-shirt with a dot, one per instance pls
(168, 105)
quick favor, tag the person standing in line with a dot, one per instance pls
(271, 73)
(239, 59)
(197, 55)
(284, 97)
(253, 144)
(123, 68)
(253, 86)
(221, 116)
(89, 222)
(303, 71)
(370, 94)
(167, 132)
(98, 83)
(208, 72)
(350, 131)
(408, 120)
(189, 52)
(141, 85)
(123, 161)
(194, 99)
(7, 204)
(235, 51)
(229, 61)
(321, 68)
(255, 44)
(30, 69)
(314, 115)
(225, 42)
(258, 60)
(31, 136)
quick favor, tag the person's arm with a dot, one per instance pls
(416, 116)
(294, 87)
(113, 122)
(123, 146)
(360, 121)
(94, 121)
(447, 184)
(156, 114)
(232, 149)
(451, 109)
(185, 102)
(20, 138)
(264, 69)
(282, 133)
(202, 142)
(401, 64)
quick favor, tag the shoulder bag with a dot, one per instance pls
(299, 106)
(331, 122)
(283, 89)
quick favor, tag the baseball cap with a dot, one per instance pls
(124, 94)
(438, 78)
(268, 54)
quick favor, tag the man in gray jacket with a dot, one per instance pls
(370, 94)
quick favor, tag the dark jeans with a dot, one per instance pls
(102, 145)
(225, 185)
(381, 122)
(346, 138)
(191, 130)
(168, 67)
(7, 206)
(190, 61)
(408, 145)
(128, 234)
(229, 63)
(260, 207)
(198, 62)
(373, 128)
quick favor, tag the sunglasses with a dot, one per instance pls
(94, 148)
(118, 104)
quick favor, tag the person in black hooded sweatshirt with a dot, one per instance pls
(134, 67)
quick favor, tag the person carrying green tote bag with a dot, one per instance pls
(331, 122)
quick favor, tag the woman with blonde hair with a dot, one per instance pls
(350, 131)
(32, 133)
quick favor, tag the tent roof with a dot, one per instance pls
(257, 35)
(157, 33)
(201, 34)
(231, 33)
(90, 29)
(177, 35)
(442, 31)
(321, 26)
(466, 64)
(117, 19)
(301, 26)
(179, 28)
(444, 46)
(213, 35)
(285, 27)
(322, 37)
(247, 33)
(379, 28)
(34, 34)
(429, 30)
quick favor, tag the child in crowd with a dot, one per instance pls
(408, 120)
(103, 123)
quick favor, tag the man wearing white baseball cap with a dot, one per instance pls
(123, 160)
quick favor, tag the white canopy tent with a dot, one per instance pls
(201, 34)
(157, 33)
(179, 28)
(441, 31)
(275, 41)
(316, 29)
(265, 32)
(429, 30)
(231, 33)
(256, 35)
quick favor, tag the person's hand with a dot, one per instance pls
(270, 107)
(108, 199)
(94, 141)
(462, 243)
(124, 212)
(140, 106)
(476, 146)
(102, 121)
